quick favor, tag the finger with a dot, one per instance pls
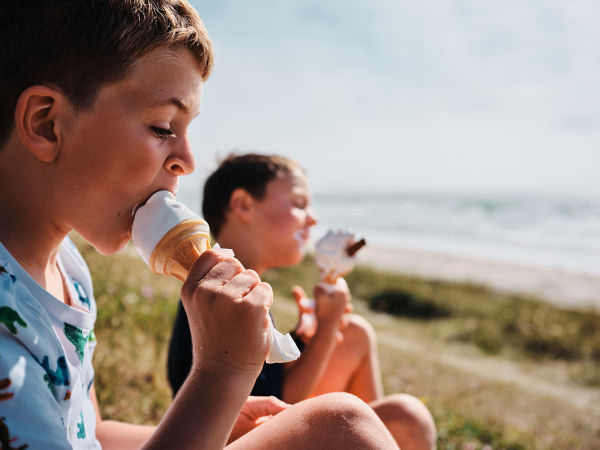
(344, 321)
(306, 305)
(200, 269)
(241, 284)
(205, 262)
(268, 406)
(298, 293)
(261, 293)
(262, 420)
(222, 272)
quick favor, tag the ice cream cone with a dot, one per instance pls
(170, 238)
(180, 248)
(168, 235)
(335, 256)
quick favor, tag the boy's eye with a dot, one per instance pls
(300, 203)
(162, 132)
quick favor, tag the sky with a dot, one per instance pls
(396, 95)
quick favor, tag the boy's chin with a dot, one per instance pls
(109, 248)
(294, 259)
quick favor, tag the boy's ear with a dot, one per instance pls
(241, 204)
(37, 119)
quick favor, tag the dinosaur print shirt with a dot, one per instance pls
(46, 352)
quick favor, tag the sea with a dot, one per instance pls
(557, 232)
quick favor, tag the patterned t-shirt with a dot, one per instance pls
(46, 352)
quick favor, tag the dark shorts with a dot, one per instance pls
(179, 361)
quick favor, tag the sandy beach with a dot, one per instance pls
(562, 288)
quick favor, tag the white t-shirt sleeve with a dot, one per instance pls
(29, 413)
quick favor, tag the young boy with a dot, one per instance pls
(95, 100)
(259, 206)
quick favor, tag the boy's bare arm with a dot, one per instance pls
(301, 376)
(227, 307)
(119, 435)
(125, 436)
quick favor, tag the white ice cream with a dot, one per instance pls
(155, 218)
(331, 256)
(332, 259)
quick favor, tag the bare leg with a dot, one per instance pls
(354, 364)
(332, 421)
(354, 368)
(409, 421)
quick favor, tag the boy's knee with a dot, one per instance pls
(344, 418)
(336, 404)
(411, 414)
(360, 328)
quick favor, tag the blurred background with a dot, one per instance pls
(459, 127)
(459, 95)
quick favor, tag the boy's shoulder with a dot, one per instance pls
(30, 314)
(15, 281)
(10, 293)
(22, 316)
(45, 362)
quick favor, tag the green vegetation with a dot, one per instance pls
(429, 332)
(496, 323)
(136, 309)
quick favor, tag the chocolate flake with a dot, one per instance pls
(353, 248)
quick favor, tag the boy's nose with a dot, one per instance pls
(181, 161)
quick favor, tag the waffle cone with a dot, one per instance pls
(179, 249)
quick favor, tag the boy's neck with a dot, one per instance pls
(26, 243)
(25, 229)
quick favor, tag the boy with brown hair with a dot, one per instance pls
(95, 100)
(260, 207)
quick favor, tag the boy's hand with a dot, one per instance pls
(256, 410)
(308, 306)
(330, 306)
(302, 302)
(227, 308)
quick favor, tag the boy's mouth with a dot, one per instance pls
(136, 207)
(172, 189)
(301, 237)
(142, 203)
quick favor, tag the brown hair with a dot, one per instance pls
(79, 45)
(251, 172)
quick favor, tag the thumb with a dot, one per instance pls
(298, 293)
(267, 406)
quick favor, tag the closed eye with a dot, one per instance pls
(162, 133)
(301, 203)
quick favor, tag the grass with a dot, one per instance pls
(437, 341)
(496, 323)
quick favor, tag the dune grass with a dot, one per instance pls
(497, 323)
(436, 341)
